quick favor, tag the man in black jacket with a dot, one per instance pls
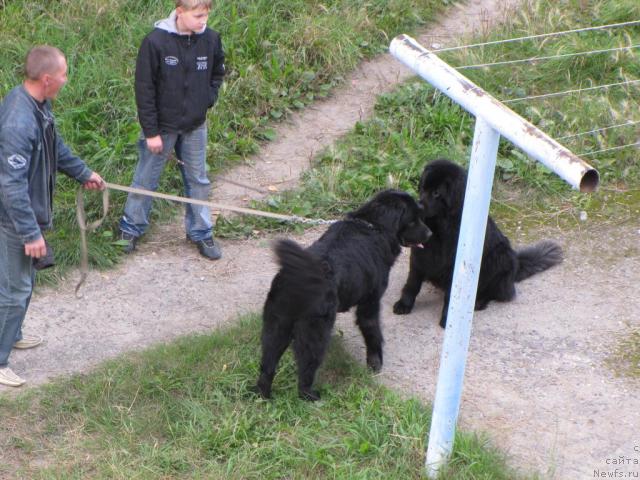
(179, 71)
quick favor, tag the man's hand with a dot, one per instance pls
(95, 182)
(154, 144)
(36, 249)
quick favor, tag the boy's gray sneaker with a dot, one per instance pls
(208, 248)
(131, 240)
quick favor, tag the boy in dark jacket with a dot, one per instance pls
(179, 71)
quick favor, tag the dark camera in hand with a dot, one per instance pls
(46, 261)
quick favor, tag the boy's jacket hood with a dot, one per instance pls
(169, 24)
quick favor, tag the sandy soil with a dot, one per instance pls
(536, 379)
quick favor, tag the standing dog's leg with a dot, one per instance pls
(368, 320)
(411, 287)
(310, 342)
(445, 307)
(276, 337)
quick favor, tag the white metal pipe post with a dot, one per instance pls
(492, 120)
(463, 295)
(508, 123)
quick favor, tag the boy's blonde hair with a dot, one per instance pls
(192, 4)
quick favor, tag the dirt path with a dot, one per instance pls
(535, 379)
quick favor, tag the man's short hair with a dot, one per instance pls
(191, 4)
(40, 60)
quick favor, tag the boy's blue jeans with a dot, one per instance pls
(190, 150)
(16, 284)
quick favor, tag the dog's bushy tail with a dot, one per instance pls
(537, 258)
(303, 275)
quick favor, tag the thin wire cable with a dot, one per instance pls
(586, 154)
(535, 59)
(543, 35)
(567, 92)
(627, 124)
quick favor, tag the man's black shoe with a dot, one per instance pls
(208, 248)
(131, 240)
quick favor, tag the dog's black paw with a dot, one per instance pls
(402, 308)
(309, 395)
(481, 304)
(257, 390)
(374, 362)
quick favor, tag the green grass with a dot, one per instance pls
(625, 360)
(183, 410)
(281, 55)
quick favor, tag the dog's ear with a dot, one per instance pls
(410, 211)
(423, 184)
(442, 187)
(449, 192)
(385, 209)
(393, 210)
(457, 187)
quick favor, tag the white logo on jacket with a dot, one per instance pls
(17, 161)
(171, 60)
(201, 63)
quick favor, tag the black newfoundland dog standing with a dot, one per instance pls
(348, 265)
(442, 190)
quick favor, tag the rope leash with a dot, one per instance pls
(81, 216)
(215, 205)
(84, 227)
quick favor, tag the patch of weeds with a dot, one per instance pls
(625, 360)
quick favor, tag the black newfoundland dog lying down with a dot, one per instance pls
(442, 190)
(348, 265)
